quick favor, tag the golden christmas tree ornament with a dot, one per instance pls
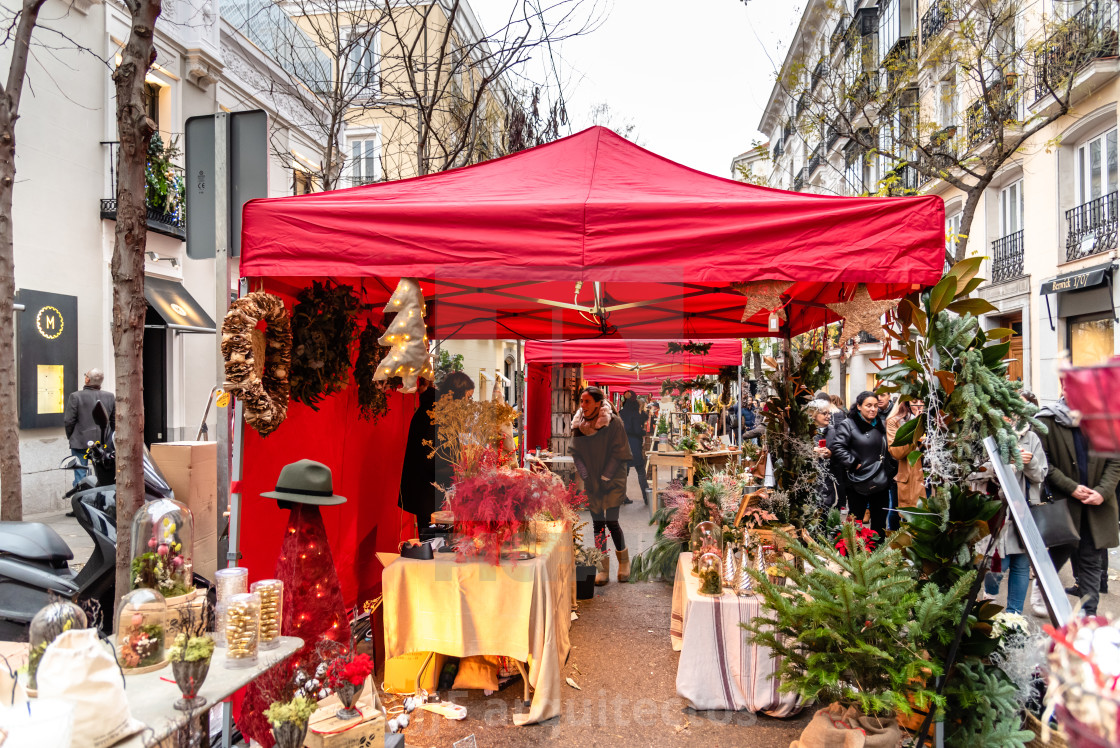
(861, 313)
(763, 295)
(408, 357)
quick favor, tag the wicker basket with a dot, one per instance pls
(768, 536)
(1034, 724)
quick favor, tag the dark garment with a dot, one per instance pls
(632, 419)
(1082, 450)
(856, 442)
(602, 455)
(1088, 569)
(835, 468)
(418, 495)
(638, 463)
(876, 502)
(827, 487)
(748, 419)
(606, 522)
(78, 420)
(1064, 476)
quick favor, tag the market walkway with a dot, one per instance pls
(626, 669)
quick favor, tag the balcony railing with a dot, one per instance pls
(905, 180)
(1089, 34)
(982, 121)
(814, 161)
(1092, 228)
(800, 177)
(787, 131)
(166, 213)
(1007, 257)
(802, 103)
(837, 37)
(819, 73)
(865, 88)
(935, 20)
(777, 151)
(832, 137)
(896, 63)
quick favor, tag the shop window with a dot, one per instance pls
(1096, 165)
(301, 182)
(1091, 340)
(151, 101)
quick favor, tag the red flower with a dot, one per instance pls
(349, 670)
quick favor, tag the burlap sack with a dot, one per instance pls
(77, 667)
(837, 727)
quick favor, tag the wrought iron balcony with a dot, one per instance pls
(1007, 257)
(1089, 34)
(778, 151)
(356, 181)
(837, 37)
(1092, 228)
(802, 103)
(800, 177)
(982, 121)
(935, 20)
(832, 137)
(904, 180)
(865, 88)
(814, 161)
(819, 73)
(166, 212)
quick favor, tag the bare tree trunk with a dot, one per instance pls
(134, 129)
(11, 471)
(972, 202)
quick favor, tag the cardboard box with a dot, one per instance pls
(325, 730)
(191, 469)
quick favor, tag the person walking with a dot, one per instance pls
(78, 418)
(910, 481)
(859, 445)
(422, 470)
(1088, 482)
(634, 421)
(1012, 550)
(828, 488)
(836, 414)
(600, 451)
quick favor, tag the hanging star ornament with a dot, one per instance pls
(763, 295)
(861, 313)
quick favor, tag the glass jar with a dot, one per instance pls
(242, 629)
(271, 592)
(141, 630)
(227, 582)
(162, 548)
(707, 537)
(710, 571)
(47, 624)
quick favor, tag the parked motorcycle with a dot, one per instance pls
(34, 559)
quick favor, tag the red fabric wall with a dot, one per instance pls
(365, 459)
(538, 400)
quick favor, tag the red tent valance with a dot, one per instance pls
(592, 236)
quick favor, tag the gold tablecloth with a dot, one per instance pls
(520, 610)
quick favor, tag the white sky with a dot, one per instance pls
(693, 76)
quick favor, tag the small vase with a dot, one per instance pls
(348, 695)
(290, 734)
(189, 677)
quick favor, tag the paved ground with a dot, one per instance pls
(623, 662)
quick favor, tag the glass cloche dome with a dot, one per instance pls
(162, 547)
(141, 631)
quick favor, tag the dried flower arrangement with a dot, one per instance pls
(373, 401)
(466, 429)
(349, 669)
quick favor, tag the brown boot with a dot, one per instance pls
(623, 564)
(604, 574)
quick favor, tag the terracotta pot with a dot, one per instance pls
(348, 695)
(189, 676)
(290, 734)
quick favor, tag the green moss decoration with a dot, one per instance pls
(297, 711)
(191, 649)
(324, 326)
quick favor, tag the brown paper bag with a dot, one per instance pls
(79, 668)
(837, 727)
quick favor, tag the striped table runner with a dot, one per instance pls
(719, 668)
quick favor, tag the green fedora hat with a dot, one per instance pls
(305, 482)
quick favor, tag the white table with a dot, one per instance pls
(719, 668)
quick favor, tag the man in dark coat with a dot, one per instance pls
(78, 419)
(1089, 484)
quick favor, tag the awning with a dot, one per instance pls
(177, 307)
(1078, 281)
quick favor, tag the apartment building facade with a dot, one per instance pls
(65, 211)
(1046, 218)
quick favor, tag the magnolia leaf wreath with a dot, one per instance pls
(695, 349)
(373, 400)
(258, 362)
(861, 313)
(324, 325)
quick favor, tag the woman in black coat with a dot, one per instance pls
(634, 420)
(859, 442)
(421, 471)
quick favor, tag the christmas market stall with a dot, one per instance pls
(587, 237)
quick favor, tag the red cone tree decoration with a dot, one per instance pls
(313, 608)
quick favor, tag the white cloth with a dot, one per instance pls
(719, 668)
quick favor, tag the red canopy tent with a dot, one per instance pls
(589, 236)
(639, 365)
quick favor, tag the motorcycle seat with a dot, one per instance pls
(33, 541)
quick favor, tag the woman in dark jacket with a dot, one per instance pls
(421, 470)
(601, 450)
(634, 421)
(859, 441)
(827, 486)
